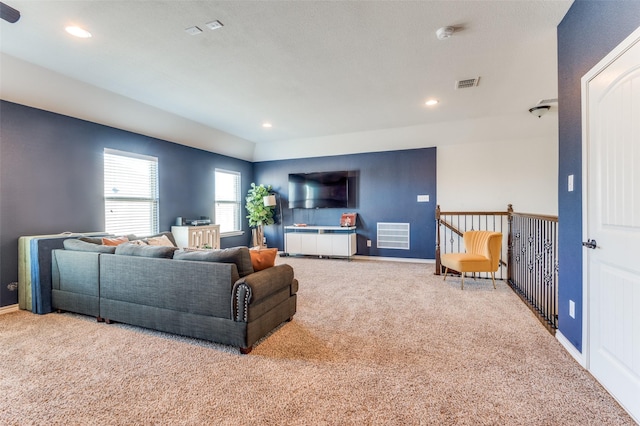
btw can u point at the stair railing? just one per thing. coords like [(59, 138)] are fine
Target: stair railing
[(528, 259), (451, 226)]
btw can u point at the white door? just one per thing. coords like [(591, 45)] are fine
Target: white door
[(611, 95)]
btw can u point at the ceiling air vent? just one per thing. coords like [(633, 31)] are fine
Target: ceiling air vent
[(468, 83)]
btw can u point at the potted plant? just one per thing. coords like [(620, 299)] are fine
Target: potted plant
[(258, 214)]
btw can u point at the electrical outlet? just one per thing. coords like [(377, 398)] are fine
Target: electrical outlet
[(572, 309), (368, 243), (570, 183)]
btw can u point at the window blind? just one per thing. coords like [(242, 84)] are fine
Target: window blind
[(130, 193), (228, 200)]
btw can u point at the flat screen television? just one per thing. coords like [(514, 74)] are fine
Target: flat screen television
[(319, 190)]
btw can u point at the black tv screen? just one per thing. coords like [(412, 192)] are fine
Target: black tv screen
[(319, 190)]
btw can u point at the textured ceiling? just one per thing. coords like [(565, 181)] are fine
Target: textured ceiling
[(312, 68)]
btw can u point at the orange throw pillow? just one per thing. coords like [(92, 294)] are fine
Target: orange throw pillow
[(114, 241), (263, 258)]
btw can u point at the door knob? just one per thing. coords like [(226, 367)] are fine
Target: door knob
[(589, 244)]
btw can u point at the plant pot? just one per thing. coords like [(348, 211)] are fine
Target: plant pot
[(257, 237)]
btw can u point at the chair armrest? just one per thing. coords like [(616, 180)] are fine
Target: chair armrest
[(257, 286)]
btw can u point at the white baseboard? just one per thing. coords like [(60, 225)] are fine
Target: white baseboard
[(10, 308), (395, 259), (388, 259), (571, 349)]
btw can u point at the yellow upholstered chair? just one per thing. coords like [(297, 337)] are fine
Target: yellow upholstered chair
[(482, 255)]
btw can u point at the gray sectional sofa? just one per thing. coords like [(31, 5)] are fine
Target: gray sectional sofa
[(212, 295)]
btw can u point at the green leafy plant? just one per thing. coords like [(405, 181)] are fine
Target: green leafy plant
[(258, 213)]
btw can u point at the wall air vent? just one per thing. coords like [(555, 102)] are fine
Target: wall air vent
[(468, 83), (393, 235)]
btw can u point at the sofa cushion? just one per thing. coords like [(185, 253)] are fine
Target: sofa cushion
[(238, 255), (263, 258), (80, 245), (128, 249)]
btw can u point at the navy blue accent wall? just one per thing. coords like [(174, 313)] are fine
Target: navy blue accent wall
[(588, 32), (387, 186), (51, 179)]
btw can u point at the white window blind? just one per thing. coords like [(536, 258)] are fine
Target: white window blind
[(228, 201), (130, 193)]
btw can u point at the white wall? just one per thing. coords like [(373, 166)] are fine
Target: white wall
[(489, 176)]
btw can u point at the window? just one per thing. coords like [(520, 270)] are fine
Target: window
[(228, 203), (130, 193)]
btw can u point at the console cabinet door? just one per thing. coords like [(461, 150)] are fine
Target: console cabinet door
[(340, 245), (325, 244), (292, 243), (308, 243)]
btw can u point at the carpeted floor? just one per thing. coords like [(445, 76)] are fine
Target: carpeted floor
[(372, 343)]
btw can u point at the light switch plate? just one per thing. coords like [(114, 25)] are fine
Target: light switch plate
[(572, 309), (570, 183), (423, 198)]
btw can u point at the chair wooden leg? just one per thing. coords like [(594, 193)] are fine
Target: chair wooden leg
[(445, 273), (462, 282), (493, 278)]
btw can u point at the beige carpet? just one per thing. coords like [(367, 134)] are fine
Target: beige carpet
[(372, 343)]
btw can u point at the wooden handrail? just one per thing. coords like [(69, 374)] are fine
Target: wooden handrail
[(503, 213), (537, 216), (450, 226)]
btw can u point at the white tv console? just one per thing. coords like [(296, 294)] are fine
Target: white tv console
[(338, 241)]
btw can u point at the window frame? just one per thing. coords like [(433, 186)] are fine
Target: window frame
[(237, 202), (153, 220)]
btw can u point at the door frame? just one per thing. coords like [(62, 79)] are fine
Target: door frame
[(620, 49)]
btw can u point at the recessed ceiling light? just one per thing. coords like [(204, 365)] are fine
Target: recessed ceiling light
[(193, 30), (77, 31), (267, 125), (432, 102), (214, 25)]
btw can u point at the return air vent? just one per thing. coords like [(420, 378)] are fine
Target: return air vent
[(468, 83), (393, 235)]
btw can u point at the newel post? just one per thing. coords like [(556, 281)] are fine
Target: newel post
[(438, 265), (510, 242)]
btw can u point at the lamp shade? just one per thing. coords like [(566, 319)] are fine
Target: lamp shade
[(269, 200)]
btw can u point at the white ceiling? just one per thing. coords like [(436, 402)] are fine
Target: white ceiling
[(312, 68)]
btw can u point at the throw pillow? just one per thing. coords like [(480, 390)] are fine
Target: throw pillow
[(93, 240), (238, 255), (129, 249), (79, 245), (114, 241), (168, 234), (263, 258), (163, 240)]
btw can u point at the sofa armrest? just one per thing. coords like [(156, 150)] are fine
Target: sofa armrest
[(75, 271), (257, 286)]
